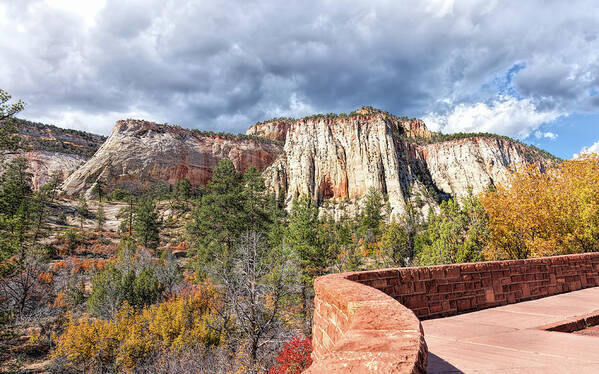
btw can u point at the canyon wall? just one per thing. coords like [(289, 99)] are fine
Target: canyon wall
[(44, 164), (338, 159), (333, 159), (139, 154), (52, 150)]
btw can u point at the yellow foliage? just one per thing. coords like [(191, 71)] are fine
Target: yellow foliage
[(130, 336), (543, 214), (184, 321)]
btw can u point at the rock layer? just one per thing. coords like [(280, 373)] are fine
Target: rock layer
[(139, 154), (44, 164), (52, 150), (333, 159)]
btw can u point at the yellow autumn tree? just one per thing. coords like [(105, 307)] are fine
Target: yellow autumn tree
[(130, 336), (545, 213)]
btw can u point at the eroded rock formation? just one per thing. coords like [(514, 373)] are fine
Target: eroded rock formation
[(336, 159), (52, 150), (139, 154)]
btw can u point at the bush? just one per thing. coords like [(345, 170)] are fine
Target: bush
[(134, 276), (118, 194), (132, 337), (116, 284), (61, 219), (294, 357)]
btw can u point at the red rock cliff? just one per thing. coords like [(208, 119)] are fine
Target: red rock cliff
[(138, 154)]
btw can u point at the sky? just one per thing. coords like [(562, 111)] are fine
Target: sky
[(526, 69)]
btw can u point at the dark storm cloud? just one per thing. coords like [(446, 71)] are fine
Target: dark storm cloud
[(224, 65)]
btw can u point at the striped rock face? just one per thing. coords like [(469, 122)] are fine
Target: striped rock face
[(139, 154), (336, 160)]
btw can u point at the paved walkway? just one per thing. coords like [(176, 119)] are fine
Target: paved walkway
[(507, 339)]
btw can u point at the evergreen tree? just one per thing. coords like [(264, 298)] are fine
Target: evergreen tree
[(126, 215), (145, 223), (9, 139), (51, 188), (396, 246), (132, 277), (371, 215), (183, 189), (370, 223), (100, 217), (302, 237), (82, 210), (98, 188), (256, 200), (16, 198), (343, 244), (221, 216), (15, 185), (311, 250)]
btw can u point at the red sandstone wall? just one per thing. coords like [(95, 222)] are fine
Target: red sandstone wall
[(357, 328), (439, 291)]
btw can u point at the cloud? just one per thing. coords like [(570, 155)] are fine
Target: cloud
[(506, 116), (586, 150), (223, 65), (547, 135)]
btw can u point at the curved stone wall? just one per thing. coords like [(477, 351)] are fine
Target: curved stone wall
[(368, 321), (439, 291), (359, 329)]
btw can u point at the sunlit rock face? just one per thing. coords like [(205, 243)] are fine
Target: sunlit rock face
[(336, 160), (139, 154)]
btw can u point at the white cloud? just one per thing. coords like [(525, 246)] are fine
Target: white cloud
[(506, 116), (101, 123), (586, 150), (547, 135), (87, 10)]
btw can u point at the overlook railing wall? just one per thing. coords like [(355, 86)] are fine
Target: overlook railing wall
[(366, 321)]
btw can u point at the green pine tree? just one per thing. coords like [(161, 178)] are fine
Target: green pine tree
[(222, 214), (82, 211), (307, 241), (100, 217), (16, 216), (9, 139), (126, 215), (458, 233), (146, 224)]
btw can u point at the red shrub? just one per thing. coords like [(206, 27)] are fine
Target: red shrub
[(294, 357)]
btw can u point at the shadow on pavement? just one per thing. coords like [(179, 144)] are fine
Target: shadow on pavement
[(437, 365)]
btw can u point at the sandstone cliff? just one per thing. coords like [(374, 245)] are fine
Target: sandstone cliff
[(43, 164), (139, 154), (337, 159), (50, 149), (274, 129)]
